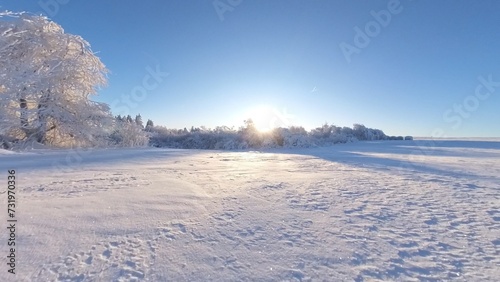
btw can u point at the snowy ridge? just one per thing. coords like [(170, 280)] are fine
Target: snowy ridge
[(364, 211)]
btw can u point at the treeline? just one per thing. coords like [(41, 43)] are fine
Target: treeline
[(126, 131), (248, 136)]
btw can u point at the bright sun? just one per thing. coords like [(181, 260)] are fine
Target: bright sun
[(263, 117)]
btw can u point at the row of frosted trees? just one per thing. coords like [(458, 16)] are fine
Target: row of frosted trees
[(248, 136)]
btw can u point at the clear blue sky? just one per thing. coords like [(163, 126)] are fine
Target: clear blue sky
[(417, 75)]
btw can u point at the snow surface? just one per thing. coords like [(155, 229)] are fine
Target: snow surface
[(367, 211)]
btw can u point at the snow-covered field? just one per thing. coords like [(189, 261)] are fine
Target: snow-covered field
[(367, 211)]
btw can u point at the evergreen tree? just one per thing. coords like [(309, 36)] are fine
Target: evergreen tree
[(138, 121), (129, 119), (149, 125)]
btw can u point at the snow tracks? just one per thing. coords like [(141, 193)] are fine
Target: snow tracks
[(346, 213)]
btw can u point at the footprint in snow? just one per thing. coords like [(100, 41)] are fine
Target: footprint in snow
[(127, 259)]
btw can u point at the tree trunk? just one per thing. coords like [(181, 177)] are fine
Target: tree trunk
[(42, 129), (24, 113)]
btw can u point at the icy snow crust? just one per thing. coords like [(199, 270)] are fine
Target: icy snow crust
[(367, 211)]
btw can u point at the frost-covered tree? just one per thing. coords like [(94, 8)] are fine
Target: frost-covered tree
[(138, 121), (322, 132), (129, 119), (126, 134), (360, 131), (251, 134), (149, 125), (46, 78)]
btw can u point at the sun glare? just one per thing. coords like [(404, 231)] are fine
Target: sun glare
[(263, 117)]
